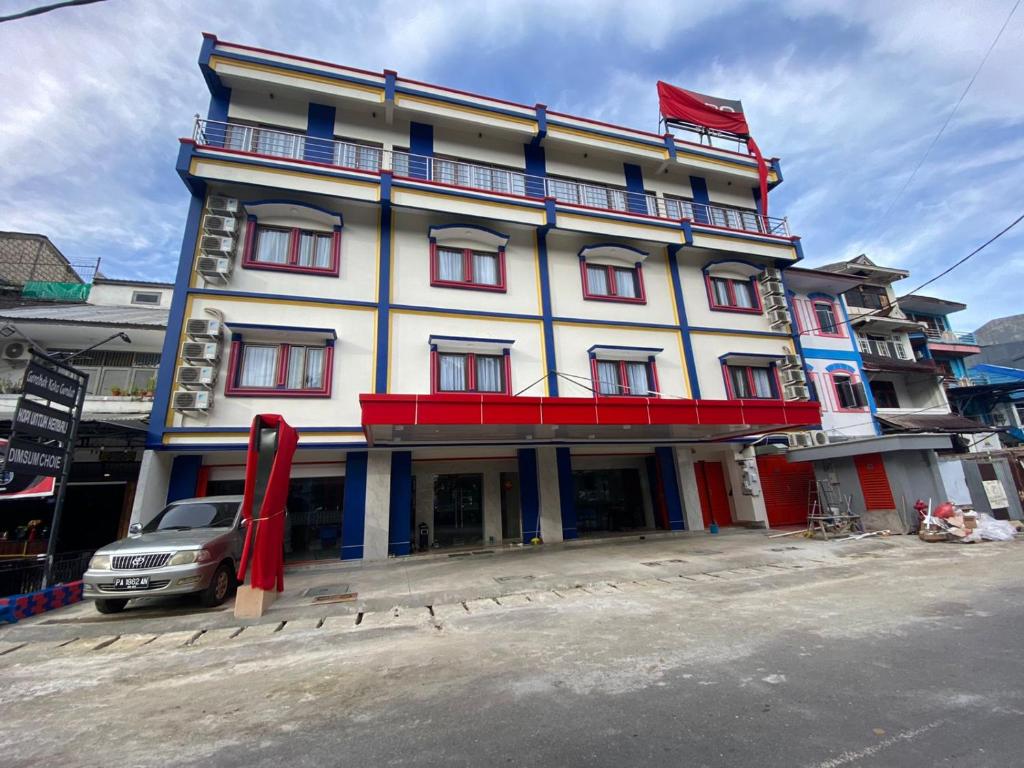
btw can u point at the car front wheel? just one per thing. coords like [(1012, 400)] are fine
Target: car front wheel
[(220, 586), (110, 606)]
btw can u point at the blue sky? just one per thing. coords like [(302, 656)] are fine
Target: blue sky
[(848, 94)]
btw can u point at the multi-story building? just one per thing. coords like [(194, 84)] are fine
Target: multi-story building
[(496, 320)]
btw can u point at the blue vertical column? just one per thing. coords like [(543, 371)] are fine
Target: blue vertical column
[(421, 146), (670, 487), (353, 513), (636, 195), (184, 477), (550, 362), (566, 493), (319, 145), (699, 187), (684, 326), (529, 493), (383, 300), (400, 518)]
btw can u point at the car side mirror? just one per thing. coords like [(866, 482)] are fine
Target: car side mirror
[(135, 529)]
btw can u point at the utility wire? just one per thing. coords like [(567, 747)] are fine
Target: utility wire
[(949, 118), (53, 7)]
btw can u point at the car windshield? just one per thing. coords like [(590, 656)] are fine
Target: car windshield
[(194, 514)]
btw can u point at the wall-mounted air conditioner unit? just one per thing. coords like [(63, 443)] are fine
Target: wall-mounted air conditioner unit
[(776, 303), (793, 376), (197, 375), (187, 400), (778, 317), (223, 206), (214, 244), (207, 352), (219, 225), (772, 288), (791, 361), (818, 437), (771, 274), (198, 328), (796, 392), (214, 268), (16, 350), (799, 440)]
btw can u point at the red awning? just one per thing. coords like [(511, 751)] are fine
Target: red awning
[(466, 418)]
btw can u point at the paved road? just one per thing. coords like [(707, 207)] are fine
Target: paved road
[(907, 657)]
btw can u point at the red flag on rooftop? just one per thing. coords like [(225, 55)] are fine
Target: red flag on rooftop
[(717, 114)]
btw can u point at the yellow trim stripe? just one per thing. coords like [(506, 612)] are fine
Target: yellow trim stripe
[(466, 316), (290, 171), (438, 103), (733, 242), (554, 130), (280, 70), (661, 230), (402, 191)]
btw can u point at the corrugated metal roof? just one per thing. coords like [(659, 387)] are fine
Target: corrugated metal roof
[(933, 422), (88, 314)]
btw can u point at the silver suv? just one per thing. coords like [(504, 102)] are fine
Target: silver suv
[(192, 545)]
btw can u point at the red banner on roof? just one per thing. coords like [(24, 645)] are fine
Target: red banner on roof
[(716, 114)]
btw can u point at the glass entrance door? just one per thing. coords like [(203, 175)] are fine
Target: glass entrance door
[(458, 510)]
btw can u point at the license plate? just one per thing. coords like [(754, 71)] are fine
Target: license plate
[(131, 582)]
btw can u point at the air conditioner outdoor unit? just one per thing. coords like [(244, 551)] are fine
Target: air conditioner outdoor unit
[(773, 302), (771, 274), (17, 350), (818, 437), (205, 351), (791, 361), (197, 328), (793, 376), (799, 440), (216, 244), (223, 206), (796, 392), (778, 317), (219, 225), (214, 267), (197, 375), (773, 287), (186, 400)]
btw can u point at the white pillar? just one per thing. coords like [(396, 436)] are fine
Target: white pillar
[(151, 492), (748, 509), (378, 505), (492, 507), (550, 500), (688, 489), (424, 506)]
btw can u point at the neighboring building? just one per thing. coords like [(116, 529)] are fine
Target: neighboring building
[(493, 319), (122, 378), (937, 339), (31, 267), (1001, 341)]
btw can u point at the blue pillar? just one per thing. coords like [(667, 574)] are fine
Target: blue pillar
[(700, 196), (684, 327), (636, 201), (319, 146), (550, 363), (400, 519), (184, 477), (566, 493), (670, 486), (383, 300), (536, 169), (529, 493), (353, 514), (421, 145)]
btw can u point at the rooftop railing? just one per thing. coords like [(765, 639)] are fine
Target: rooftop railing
[(488, 178), (951, 337)]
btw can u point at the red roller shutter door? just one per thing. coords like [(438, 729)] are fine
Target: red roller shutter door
[(874, 482), (714, 497), (785, 486)]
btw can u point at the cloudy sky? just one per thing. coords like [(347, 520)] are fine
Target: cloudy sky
[(848, 94)]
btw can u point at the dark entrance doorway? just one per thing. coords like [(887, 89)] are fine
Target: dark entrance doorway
[(608, 500), (511, 514), (458, 510)]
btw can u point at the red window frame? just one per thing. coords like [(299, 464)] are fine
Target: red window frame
[(435, 373), (249, 260), (623, 381), (233, 389), (774, 381), (840, 408), (467, 269), (757, 309), (638, 277), (818, 328)]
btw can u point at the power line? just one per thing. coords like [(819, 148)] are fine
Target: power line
[(53, 7), (949, 118)]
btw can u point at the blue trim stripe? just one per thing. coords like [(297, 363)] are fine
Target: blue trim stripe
[(353, 516), (383, 302), (684, 329), (816, 353), (566, 493), (550, 362), (529, 493), (400, 514)]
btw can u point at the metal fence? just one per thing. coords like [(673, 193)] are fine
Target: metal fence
[(25, 574)]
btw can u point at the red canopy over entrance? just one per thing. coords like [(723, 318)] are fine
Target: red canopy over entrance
[(398, 419)]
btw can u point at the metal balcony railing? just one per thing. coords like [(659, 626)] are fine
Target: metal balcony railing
[(893, 349), (950, 337), (343, 154)]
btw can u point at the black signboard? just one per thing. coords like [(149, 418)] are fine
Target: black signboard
[(25, 456), (48, 384), (32, 418)]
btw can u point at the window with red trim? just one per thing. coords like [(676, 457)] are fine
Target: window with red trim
[(292, 249), (751, 382), (849, 393), (733, 294), (827, 324), (470, 372), (625, 377), (266, 368), (467, 268), (612, 283)]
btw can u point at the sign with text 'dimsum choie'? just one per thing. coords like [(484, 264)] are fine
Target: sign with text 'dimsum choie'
[(26, 457)]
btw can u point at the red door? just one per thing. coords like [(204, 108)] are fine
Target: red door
[(714, 498), (786, 486), (874, 482)]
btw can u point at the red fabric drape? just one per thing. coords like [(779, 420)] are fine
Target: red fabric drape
[(717, 114), (264, 536)]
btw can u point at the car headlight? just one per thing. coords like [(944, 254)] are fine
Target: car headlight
[(99, 563), (189, 556)]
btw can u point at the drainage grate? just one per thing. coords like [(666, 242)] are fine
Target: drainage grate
[(339, 598), (705, 551), (332, 589), (502, 579), (656, 563)]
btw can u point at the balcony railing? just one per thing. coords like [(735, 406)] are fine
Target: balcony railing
[(893, 349), (361, 157), (951, 337)]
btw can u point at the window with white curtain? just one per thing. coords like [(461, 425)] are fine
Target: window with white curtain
[(315, 250), (751, 382), (272, 245), (286, 248), (733, 293), (468, 372), (450, 264), (469, 267), (625, 377), (608, 282), (259, 367)]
